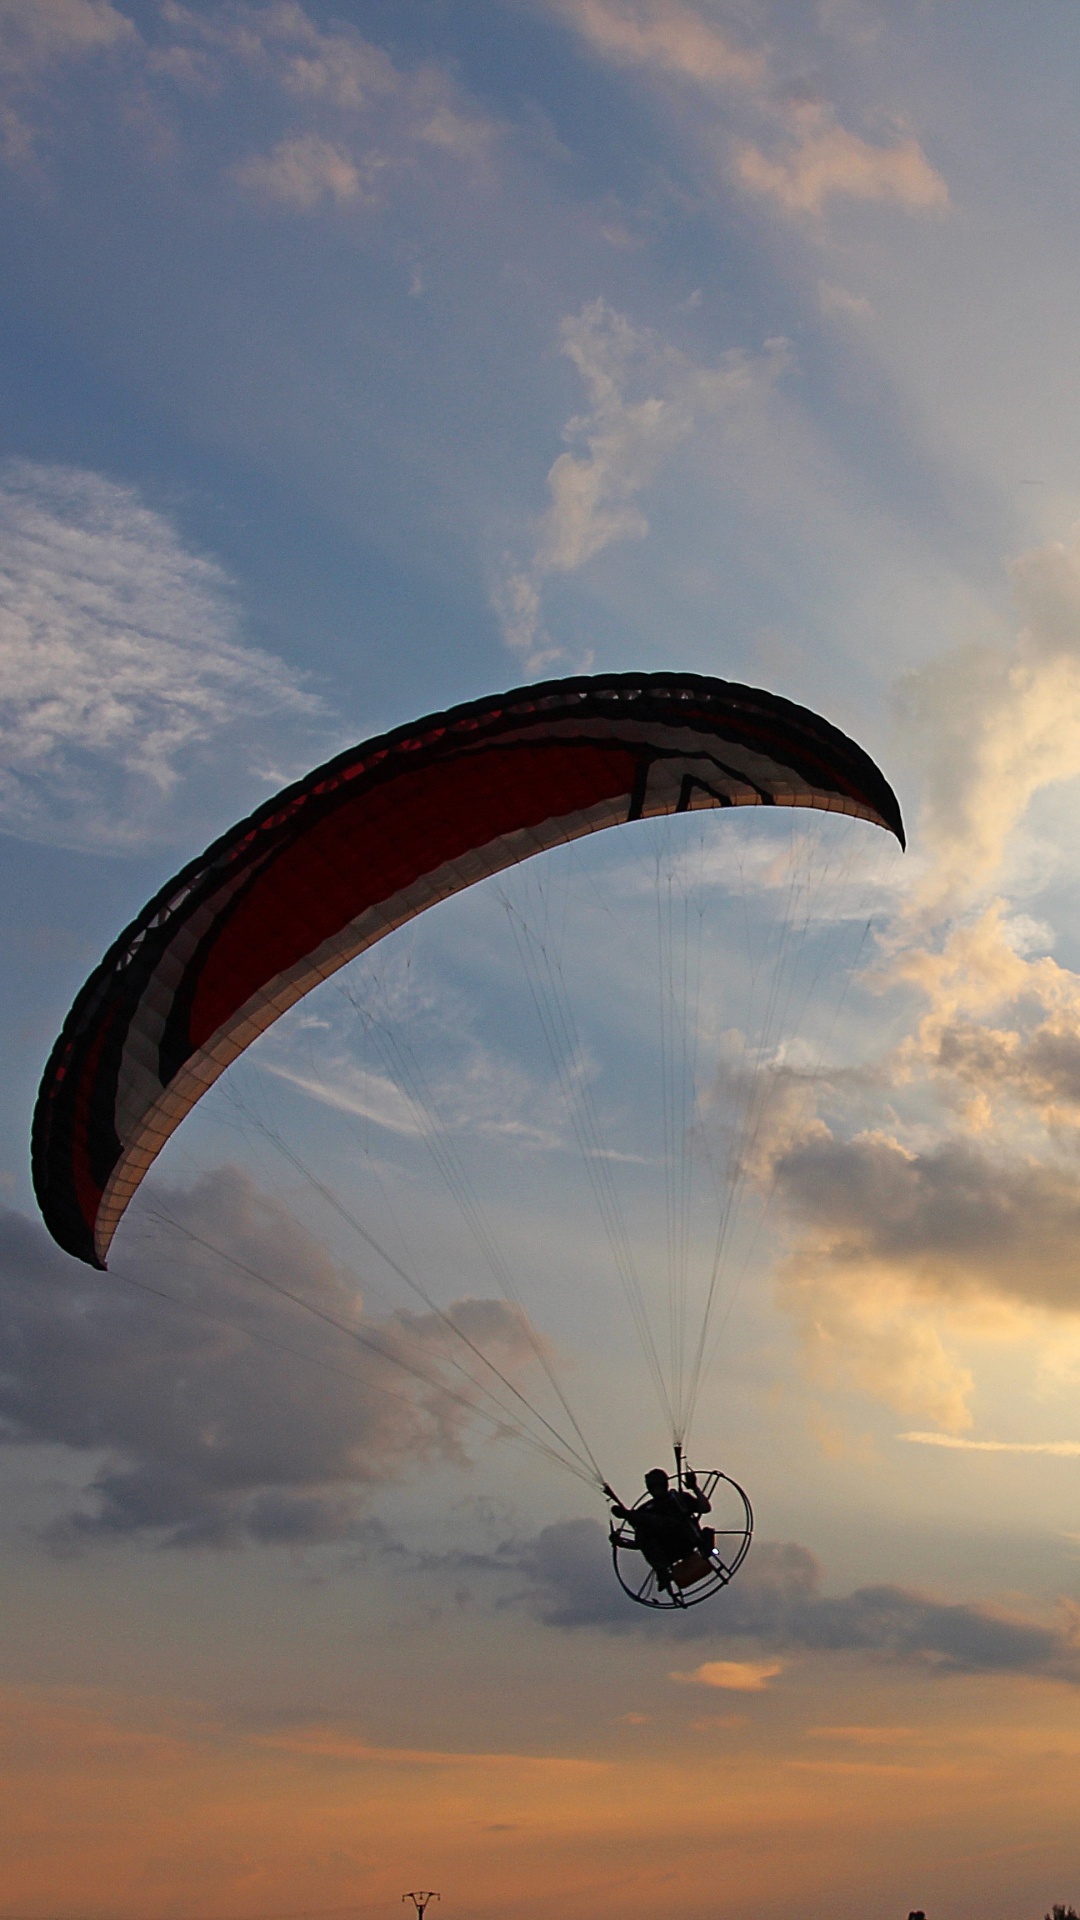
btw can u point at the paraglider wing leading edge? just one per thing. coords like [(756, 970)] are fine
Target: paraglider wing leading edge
[(360, 846)]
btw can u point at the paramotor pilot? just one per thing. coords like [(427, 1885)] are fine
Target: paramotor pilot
[(667, 1526)]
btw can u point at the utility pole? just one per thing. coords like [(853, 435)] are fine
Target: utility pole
[(421, 1901)]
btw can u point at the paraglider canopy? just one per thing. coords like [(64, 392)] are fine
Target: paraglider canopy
[(362, 845)]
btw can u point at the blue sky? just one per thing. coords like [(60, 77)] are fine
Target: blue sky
[(359, 359)]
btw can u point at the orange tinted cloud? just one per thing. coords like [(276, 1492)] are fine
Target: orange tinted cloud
[(732, 1676), (826, 161), (665, 36)]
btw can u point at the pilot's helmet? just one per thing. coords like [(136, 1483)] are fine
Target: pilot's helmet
[(656, 1480)]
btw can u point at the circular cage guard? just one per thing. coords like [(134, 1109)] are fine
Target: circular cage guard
[(732, 1521)]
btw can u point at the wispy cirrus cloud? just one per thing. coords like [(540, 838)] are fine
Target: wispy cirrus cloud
[(123, 665), (645, 399), (356, 1090), (483, 1097), (1061, 1449)]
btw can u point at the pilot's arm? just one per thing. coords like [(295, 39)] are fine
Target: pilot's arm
[(701, 1504)]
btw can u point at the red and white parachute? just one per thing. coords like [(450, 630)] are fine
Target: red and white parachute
[(367, 842)]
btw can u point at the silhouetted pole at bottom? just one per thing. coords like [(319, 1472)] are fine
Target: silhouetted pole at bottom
[(421, 1902)]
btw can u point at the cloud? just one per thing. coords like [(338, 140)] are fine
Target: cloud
[(890, 1235), (353, 118), (954, 1219), (33, 39), (815, 159), (971, 1205), (1001, 1033), (120, 662), (963, 1215), (245, 1418), (823, 161), (363, 118), (665, 37), (837, 300), (777, 1602), (301, 172), (1064, 1449), (993, 725), (355, 1090), (732, 1676), (412, 1054), (340, 68), (481, 1096), (972, 1219), (465, 136), (282, 44), (861, 1327), (645, 398)]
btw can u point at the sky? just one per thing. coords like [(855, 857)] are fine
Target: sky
[(359, 359)]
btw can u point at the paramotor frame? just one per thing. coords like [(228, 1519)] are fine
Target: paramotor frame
[(698, 1575)]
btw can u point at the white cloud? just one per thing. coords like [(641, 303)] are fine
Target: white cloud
[(473, 1092), (645, 398), (962, 1219), (121, 661), (355, 1090), (903, 1246), (995, 725), (1001, 1034)]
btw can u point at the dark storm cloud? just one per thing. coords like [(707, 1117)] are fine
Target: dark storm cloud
[(240, 1417), (954, 1219), (777, 1604)]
